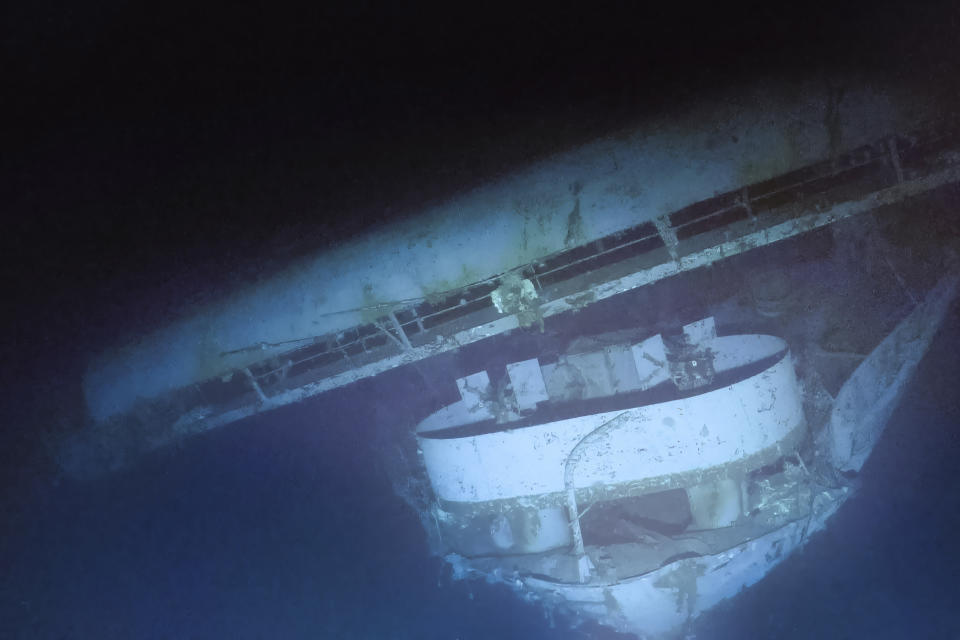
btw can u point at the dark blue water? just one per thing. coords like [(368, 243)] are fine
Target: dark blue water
[(286, 526), (281, 527), (888, 566)]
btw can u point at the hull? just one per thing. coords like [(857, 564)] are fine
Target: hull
[(662, 603), (700, 474), (588, 236), (564, 201)]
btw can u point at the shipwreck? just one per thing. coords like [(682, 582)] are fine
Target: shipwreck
[(640, 483), (698, 329)]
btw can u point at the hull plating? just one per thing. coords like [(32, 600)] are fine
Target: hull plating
[(594, 542)]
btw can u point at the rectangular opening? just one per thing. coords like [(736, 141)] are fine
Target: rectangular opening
[(637, 518)]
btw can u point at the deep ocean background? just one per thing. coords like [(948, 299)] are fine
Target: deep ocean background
[(286, 526), (155, 156)]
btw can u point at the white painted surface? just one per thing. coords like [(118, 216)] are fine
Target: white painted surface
[(658, 604), (650, 360), (617, 182), (700, 331), (623, 371), (92, 452), (527, 382), (591, 368), (474, 391), (868, 398), (711, 429), (748, 348)]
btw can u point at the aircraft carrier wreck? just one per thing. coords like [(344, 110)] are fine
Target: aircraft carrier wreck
[(683, 344)]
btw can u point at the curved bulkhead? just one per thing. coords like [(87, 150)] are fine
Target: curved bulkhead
[(688, 484), (502, 485)]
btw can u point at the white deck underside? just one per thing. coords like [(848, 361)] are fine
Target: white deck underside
[(656, 442)]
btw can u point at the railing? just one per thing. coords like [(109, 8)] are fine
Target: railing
[(406, 325)]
